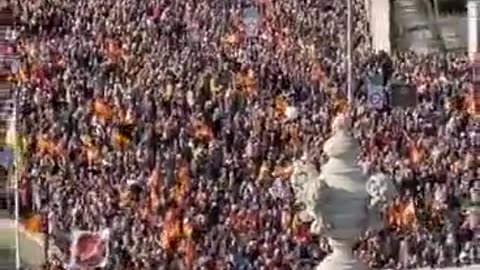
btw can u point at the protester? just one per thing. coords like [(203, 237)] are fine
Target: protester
[(173, 124)]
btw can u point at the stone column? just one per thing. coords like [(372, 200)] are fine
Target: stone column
[(473, 7), (342, 201)]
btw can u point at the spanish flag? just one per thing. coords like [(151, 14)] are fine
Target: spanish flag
[(187, 247), (102, 110), (246, 82), (119, 141), (409, 218), (171, 233), (402, 215), (33, 224), (153, 187), (181, 184), (393, 214), (282, 172), (46, 146), (230, 39), (415, 154), (340, 105), (126, 130)]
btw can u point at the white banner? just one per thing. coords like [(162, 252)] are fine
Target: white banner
[(89, 249), (376, 96)]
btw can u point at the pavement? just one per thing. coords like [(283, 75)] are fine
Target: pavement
[(30, 246)]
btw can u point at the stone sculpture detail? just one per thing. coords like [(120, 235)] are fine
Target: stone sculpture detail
[(340, 201)]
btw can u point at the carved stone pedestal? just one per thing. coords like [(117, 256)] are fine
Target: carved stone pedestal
[(340, 200)]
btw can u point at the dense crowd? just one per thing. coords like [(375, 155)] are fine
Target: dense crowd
[(174, 123)]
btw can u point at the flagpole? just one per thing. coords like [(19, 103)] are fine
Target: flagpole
[(17, 223), (349, 53), (17, 201)]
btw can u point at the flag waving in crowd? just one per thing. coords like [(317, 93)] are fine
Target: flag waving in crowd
[(175, 124), (89, 249)]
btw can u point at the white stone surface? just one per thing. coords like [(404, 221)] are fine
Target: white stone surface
[(379, 14), (30, 245), (337, 200), (473, 9)]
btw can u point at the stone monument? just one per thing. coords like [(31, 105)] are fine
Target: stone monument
[(340, 201)]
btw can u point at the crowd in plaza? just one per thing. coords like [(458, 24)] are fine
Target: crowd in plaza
[(175, 124)]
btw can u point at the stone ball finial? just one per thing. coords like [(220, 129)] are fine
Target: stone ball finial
[(342, 122), (342, 145)]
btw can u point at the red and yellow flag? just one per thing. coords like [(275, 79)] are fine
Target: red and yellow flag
[(280, 106), (171, 232), (181, 184), (340, 105), (415, 154), (153, 184), (402, 215), (187, 247), (102, 110), (33, 224), (409, 218), (47, 146)]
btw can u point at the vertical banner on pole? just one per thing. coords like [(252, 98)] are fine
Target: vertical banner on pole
[(376, 95)]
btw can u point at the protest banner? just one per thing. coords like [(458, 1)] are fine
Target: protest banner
[(89, 249), (376, 95)]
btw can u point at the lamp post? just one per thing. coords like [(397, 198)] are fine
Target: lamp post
[(349, 53)]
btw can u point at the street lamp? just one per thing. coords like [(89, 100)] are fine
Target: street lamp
[(349, 53)]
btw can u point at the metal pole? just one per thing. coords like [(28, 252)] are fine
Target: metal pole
[(349, 53), (47, 224), (16, 190)]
